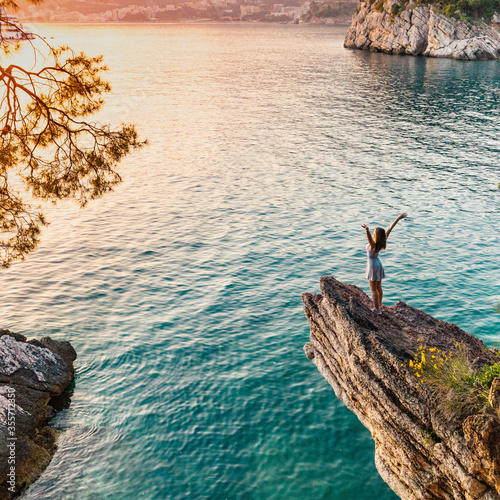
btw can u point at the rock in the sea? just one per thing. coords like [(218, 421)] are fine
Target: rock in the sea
[(420, 452), (31, 374), (418, 30)]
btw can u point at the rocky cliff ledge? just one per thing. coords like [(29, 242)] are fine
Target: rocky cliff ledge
[(387, 26), (31, 374), (419, 451)]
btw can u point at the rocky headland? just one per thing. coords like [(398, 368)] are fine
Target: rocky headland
[(421, 451), (32, 372), (419, 29)]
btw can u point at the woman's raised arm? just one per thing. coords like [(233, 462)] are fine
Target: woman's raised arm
[(369, 236), (391, 227)]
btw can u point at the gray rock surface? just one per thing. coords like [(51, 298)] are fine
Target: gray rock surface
[(419, 30), (31, 373), (420, 452)]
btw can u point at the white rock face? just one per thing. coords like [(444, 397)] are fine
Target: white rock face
[(420, 31), (34, 365), (15, 355)]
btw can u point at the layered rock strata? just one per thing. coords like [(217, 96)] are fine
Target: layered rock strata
[(420, 451), (31, 374), (418, 30)]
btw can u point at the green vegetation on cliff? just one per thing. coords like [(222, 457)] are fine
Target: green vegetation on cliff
[(459, 9), (478, 9)]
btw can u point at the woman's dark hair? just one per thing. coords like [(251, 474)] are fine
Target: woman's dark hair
[(380, 239)]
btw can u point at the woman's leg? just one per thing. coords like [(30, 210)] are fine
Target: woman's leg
[(380, 293), (374, 290)]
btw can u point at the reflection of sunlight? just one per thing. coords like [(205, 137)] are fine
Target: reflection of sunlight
[(28, 55), (23, 60)]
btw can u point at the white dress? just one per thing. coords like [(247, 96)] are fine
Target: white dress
[(374, 267)]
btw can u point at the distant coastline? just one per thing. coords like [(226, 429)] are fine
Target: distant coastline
[(337, 22), (220, 11)]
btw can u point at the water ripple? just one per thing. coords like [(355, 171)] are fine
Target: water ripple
[(269, 147)]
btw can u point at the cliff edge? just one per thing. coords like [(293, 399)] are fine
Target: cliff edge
[(417, 29), (31, 374), (420, 451)]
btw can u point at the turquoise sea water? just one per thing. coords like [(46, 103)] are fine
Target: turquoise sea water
[(269, 147)]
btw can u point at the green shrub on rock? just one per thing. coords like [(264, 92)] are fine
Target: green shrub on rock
[(472, 9), (460, 390), (483, 10), (488, 374)]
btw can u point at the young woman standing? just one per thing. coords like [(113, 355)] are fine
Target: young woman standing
[(374, 268)]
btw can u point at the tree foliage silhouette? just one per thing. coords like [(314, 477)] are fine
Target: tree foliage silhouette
[(48, 145)]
